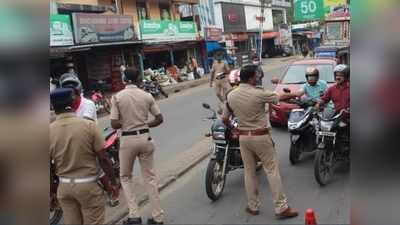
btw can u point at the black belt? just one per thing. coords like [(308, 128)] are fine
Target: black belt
[(220, 77), (135, 132)]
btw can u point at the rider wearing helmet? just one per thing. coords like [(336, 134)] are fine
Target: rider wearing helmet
[(314, 88), (82, 106), (340, 92)]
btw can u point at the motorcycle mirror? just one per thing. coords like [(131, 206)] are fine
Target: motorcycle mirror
[(206, 106), (275, 80)]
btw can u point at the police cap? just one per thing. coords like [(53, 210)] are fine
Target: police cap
[(61, 97)]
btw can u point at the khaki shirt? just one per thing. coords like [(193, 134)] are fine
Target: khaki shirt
[(131, 107), (219, 68), (249, 104), (73, 145)]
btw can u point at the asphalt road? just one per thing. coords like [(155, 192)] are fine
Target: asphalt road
[(186, 202)]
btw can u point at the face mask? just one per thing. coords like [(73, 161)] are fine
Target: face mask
[(312, 78)]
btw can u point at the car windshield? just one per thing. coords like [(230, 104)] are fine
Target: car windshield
[(296, 73)]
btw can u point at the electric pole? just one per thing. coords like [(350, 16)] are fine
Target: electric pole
[(262, 18)]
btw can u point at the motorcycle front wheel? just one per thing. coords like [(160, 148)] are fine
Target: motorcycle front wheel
[(215, 180), (295, 153), (323, 166)]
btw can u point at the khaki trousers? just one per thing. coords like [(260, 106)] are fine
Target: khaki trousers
[(221, 87), (263, 148), (141, 147), (82, 203)]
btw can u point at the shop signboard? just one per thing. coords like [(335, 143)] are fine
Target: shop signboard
[(233, 17), (308, 10), (60, 30), (98, 28), (285, 35), (166, 30), (330, 5), (213, 34)]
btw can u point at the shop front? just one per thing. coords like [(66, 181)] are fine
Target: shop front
[(168, 47), (103, 44)]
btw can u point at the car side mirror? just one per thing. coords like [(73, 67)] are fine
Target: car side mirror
[(275, 80), (206, 106)]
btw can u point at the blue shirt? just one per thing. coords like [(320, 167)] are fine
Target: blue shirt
[(314, 92)]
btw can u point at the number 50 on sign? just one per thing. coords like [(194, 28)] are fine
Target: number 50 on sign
[(305, 10)]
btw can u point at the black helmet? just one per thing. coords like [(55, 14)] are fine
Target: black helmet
[(312, 71), (342, 68), (70, 80)]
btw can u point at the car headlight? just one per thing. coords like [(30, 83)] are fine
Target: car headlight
[(326, 125), (219, 136)]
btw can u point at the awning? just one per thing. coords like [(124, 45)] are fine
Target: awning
[(269, 35), (212, 46)]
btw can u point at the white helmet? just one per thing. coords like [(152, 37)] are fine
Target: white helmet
[(342, 68)]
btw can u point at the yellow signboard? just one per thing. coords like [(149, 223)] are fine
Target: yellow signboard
[(329, 5), (334, 2)]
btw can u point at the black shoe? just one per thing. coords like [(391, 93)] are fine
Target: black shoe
[(152, 221), (131, 221)]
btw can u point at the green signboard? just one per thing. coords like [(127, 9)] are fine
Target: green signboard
[(166, 30), (60, 30), (306, 10)]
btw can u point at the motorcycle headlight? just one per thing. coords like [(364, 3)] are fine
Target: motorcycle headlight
[(293, 126), (219, 136), (326, 125)]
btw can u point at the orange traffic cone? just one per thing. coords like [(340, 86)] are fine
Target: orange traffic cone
[(310, 217)]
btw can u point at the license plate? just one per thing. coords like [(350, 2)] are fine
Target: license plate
[(325, 133), (220, 141)]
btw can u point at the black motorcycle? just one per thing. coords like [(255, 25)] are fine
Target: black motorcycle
[(225, 155), (333, 140), (301, 125), (154, 88)]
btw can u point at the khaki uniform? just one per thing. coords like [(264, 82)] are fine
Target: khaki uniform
[(73, 145), (221, 86), (248, 104), (131, 107)]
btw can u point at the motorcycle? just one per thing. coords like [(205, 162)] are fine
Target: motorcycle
[(154, 88), (301, 125), (225, 154), (99, 99), (333, 141), (111, 147)]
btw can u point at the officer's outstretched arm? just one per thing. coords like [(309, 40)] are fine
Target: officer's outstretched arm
[(158, 119)]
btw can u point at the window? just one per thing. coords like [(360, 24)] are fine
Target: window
[(142, 10), (165, 12), (295, 74)]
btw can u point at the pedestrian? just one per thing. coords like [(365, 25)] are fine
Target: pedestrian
[(83, 107), (248, 103), (130, 109), (219, 79), (305, 51), (76, 148), (194, 66)]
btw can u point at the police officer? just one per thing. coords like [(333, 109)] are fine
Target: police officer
[(219, 78), (248, 103), (130, 109), (76, 148)]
